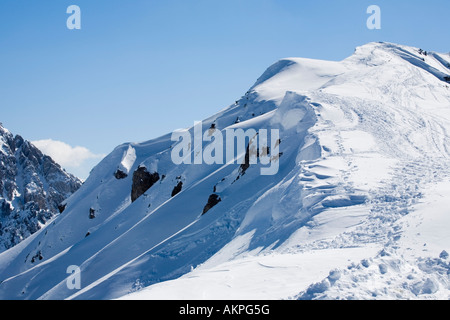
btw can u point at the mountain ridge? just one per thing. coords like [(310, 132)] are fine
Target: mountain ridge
[(360, 139)]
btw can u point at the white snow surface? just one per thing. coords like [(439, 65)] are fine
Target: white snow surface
[(129, 157), (357, 210)]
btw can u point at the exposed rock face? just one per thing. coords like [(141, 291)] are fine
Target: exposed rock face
[(91, 213), (142, 181), (177, 189), (246, 164), (119, 174), (32, 188), (212, 201), (62, 207)]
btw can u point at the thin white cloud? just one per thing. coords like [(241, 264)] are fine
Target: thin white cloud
[(77, 160)]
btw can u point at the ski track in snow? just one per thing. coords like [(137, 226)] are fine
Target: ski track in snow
[(388, 275)]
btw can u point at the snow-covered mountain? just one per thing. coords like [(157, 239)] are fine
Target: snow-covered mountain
[(358, 207), (32, 188)]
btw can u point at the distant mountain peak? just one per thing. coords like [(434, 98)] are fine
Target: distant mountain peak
[(32, 187)]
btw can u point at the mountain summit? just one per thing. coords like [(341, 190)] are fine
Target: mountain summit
[(32, 189), (357, 207)]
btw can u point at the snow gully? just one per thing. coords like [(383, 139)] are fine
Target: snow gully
[(258, 148)]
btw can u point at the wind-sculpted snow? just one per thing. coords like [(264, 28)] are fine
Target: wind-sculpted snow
[(361, 142)]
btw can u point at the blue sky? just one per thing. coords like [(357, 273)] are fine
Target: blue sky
[(140, 68)]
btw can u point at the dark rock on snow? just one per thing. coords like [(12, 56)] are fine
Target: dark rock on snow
[(142, 181), (177, 189), (119, 174), (213, 200)]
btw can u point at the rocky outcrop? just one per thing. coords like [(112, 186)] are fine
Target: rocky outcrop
[(213, 200), (142, 181), (62, 207), (177, 189), (246, 164), (91, 213), (119, 174)]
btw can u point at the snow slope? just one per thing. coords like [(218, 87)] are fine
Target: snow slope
[(364, 154)]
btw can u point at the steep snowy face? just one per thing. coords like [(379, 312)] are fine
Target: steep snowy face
[(32, 189), (356, 142)]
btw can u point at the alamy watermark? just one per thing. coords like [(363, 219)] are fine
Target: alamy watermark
[(74, 20), (73, 281), (374, 21), (233, 146)]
